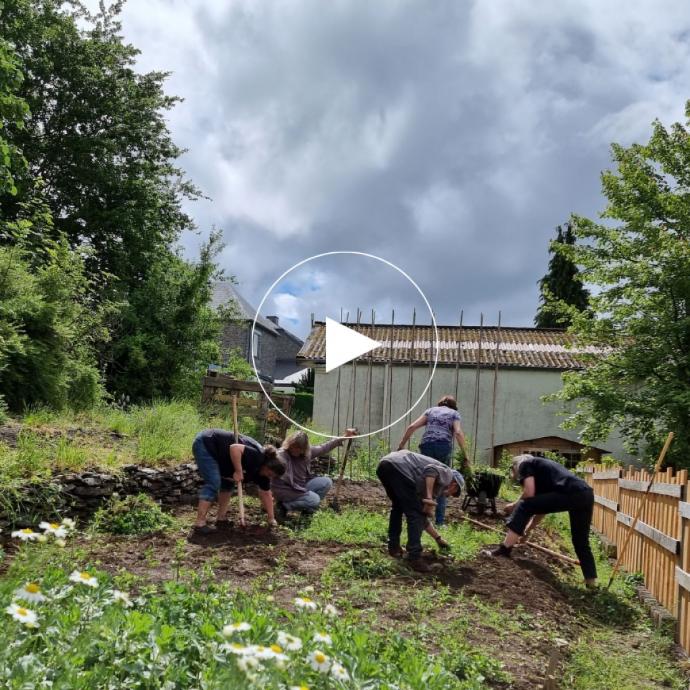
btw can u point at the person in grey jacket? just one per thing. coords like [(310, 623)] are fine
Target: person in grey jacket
[(413, 483), (300, 489)]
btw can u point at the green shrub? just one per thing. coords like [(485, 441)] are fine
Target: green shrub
[(131, 515)]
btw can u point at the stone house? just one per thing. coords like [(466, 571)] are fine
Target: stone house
[(273, 346)]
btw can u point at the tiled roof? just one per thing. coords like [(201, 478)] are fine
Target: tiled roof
[(531, 348)]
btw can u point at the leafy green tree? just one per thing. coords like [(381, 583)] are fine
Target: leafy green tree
[(97, 136), (639, 261), (561, 284)]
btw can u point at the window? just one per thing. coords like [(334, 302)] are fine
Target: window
[(256, 345)]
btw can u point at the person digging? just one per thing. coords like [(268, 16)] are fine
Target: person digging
[(548, 487), (413, 483), (220, 461)]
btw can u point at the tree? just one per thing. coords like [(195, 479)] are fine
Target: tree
[(562, 284), (639, 261), (97, 137)]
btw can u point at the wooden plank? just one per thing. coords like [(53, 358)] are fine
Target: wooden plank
[(226, 383), (587, 470), (606, 502), (607, 474), (666, 542), (674, 490), (683, 579), (684, 509)]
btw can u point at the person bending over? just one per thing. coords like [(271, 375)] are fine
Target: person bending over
[(548, 487), (441, 423), (413, 483), (300, 489), (220, 461)]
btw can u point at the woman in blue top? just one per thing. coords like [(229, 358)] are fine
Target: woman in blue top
[(441, 423)]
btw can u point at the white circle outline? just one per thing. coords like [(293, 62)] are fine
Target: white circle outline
[(437, 344)]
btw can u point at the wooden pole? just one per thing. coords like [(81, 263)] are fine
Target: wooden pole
[(240, 494), (390, 379), (633, 524), (476, 390), (497, 356), (543, 549)]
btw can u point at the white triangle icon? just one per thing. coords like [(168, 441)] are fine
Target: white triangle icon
[(343, 344)]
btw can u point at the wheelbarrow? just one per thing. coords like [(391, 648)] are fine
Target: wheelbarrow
[(481, 490)]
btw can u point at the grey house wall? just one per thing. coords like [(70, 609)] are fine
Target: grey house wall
[(237, 335), (520, 412)]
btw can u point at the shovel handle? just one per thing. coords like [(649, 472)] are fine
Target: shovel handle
[(240, 493)]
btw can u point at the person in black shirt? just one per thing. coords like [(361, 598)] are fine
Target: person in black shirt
[(220, 460), (548, 487)]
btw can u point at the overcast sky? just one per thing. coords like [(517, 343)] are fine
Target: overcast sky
[(448, 137)]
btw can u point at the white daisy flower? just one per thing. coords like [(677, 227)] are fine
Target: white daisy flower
[(58, 530), (322, 637), (26, 534), (299, 687), (230, 630), (305, 603), (30, 592), (25, 616), (319, 661), (339, 672), (237, 648), (331, 610), (289, 642), (278, 654), (122, 597), (84, 578)]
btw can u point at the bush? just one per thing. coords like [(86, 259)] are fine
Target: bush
[(131, 515)]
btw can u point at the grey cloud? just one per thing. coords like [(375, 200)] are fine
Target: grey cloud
[(447, 137)]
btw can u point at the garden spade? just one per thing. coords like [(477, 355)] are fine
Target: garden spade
[(240, 493), (335, 504)]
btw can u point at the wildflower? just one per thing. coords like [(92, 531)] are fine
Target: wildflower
[(323, 637), (270, 597), (331, 610), (41, 538), (30, 592), (61, 543), (68, 524), (299, 687), (237, 648), (122, 597), (289, 642), (230, 630), (26, 534), (58, 530), (84, 578), (309, 588), (339, 672), (319, 661), (25, 616), (305, 603)]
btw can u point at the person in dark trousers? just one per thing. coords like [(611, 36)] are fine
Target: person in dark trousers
[(220, 461), (441, 424), (548, 487), (413, 483)]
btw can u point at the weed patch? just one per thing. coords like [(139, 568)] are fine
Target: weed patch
[(131, 515)]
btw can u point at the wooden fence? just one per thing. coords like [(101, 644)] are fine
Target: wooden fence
[(659, 548)]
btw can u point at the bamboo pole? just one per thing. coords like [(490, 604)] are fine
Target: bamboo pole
[(390, 378), (476, 390), (497, 356), (538, 547), (240, 494), (640, 508)]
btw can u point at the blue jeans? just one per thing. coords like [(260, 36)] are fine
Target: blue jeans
[(438, 450), (317, 488), (209, 471)]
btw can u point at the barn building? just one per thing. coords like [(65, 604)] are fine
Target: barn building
[(499, 375)]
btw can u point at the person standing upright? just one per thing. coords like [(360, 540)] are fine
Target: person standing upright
[(441, 424)]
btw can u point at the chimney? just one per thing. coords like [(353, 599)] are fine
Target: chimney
[(274, 319)]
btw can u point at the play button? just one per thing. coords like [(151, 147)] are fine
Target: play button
[(343, 345)]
